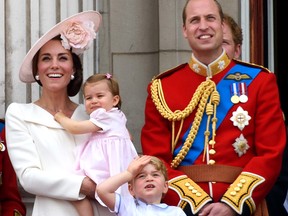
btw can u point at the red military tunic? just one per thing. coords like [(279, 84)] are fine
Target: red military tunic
[(254, 146), (10, 200)]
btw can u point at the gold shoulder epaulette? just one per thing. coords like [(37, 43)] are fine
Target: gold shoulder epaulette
[(168, 72), (252, 65)]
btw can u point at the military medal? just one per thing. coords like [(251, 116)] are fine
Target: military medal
[(235, 99), (234, 92), (243, 98)]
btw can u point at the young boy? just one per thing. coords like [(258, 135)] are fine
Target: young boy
[(148, 182)]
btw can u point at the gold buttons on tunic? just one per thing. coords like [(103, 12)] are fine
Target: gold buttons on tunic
[(238, 188), (192, 189), (2, 146), (211, 162), (212, 151)]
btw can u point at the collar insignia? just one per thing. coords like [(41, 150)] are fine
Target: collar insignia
[(213, 68)]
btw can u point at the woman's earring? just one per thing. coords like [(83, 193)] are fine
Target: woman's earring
[(36, 77), (72, 77)]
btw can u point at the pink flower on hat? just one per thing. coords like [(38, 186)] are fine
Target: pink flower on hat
[(79, 36)]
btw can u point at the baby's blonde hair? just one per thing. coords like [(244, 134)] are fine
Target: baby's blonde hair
[(111, 82)]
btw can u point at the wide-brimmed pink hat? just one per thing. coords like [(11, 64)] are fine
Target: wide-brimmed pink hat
[(77, 33)]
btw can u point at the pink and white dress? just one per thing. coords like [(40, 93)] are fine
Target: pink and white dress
[(108, 151)]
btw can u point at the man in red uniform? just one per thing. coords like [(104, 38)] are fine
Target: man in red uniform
[(10, 200), (232, 42), (216, 122)]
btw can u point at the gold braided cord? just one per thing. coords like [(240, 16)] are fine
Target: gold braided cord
[(159, 100), (194, 129), (200, 98), (210, 110), (174, 141)]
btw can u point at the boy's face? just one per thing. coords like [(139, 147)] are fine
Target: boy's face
[(149, 185)]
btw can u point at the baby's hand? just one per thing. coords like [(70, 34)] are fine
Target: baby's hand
[(59, 115)]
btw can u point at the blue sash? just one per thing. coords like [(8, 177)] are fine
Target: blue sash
[(225, 105), (1, 126)]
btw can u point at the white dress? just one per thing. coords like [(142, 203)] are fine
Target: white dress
[(108, 151)]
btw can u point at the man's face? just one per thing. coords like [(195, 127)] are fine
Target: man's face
[(203, 27), (233, 50)]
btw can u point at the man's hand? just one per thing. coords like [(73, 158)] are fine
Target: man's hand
[(217, 209)]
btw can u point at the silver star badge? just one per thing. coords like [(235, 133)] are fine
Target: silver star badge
[(240, 118), (241, 145)]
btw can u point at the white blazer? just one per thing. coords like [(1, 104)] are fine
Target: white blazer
[(42, 154)]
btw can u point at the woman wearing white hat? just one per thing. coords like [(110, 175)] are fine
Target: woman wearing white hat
[(41, 151)]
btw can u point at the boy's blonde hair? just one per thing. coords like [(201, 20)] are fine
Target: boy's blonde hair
[(160, 166)]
